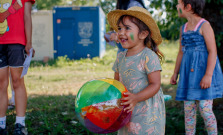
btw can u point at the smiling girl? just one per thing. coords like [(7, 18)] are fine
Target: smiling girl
[(138, 68)]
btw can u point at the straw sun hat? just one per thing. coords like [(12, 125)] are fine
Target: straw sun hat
[(140, 13)]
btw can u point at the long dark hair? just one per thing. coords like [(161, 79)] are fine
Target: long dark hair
[(149, 42), (123, 4)]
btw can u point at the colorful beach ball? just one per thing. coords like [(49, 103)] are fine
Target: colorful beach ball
[(97, 106)]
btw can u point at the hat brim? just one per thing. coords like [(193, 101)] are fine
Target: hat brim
[(137, 12)]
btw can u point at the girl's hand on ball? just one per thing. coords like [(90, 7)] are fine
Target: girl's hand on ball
[(129, 100)]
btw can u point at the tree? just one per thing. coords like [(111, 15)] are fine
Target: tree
[(49, 4), (107, 5), (170, 25)]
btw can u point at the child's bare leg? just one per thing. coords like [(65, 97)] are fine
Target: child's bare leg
[(3, 95), (190, 110), (20, 91), (3, 91), (205, 107)]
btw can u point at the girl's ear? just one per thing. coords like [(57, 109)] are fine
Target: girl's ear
[(188, 7), (143, 34)]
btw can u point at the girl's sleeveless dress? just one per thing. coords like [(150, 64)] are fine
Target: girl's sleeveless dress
[(193, 68), (148, 117)]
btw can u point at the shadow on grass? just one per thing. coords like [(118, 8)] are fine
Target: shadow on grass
[(51, 115), (54, 115)]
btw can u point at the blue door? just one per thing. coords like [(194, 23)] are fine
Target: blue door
[(65, 37)]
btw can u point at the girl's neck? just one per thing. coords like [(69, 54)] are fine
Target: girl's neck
[(134, 51), (193, 19)]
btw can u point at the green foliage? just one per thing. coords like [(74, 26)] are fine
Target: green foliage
[(107, 5), (47, 4), (63, 61), (170, 25), (84, 2)]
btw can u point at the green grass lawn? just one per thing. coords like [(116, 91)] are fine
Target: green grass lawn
[(52, 88)]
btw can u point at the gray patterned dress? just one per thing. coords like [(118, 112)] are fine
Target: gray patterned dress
[(148, 117)]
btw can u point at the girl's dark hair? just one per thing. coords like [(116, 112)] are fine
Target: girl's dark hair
[(196, 5), (149, 42), (123, 4)]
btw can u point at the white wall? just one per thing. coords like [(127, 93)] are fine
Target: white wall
[(42, 34)]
